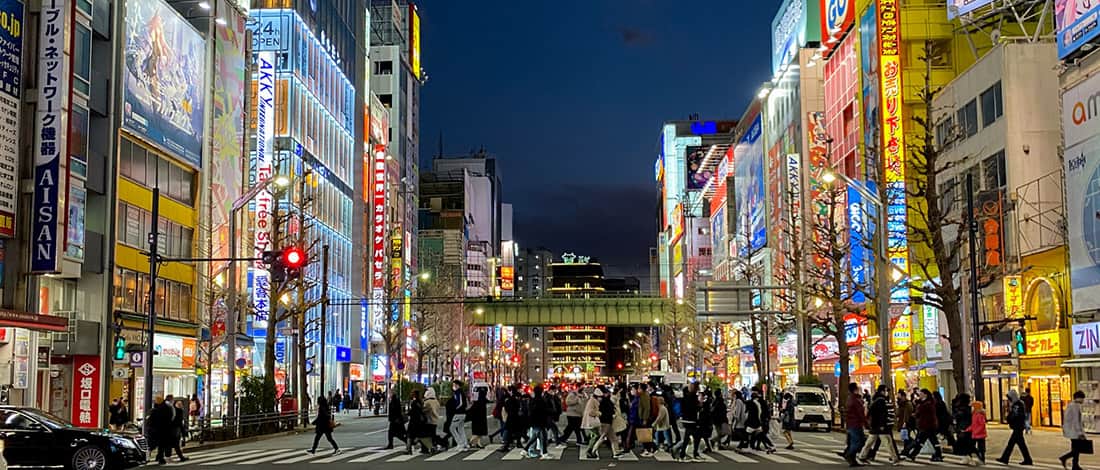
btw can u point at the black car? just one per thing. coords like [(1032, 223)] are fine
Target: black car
[(36, 439)]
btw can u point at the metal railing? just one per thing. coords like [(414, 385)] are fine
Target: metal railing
[(235, 427)]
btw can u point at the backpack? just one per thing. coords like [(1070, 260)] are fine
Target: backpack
[(1016, 415), (654, 409)]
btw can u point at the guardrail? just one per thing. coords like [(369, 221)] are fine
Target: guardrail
[(235, 427)]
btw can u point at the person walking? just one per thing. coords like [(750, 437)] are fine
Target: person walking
[(574, 414), (498, 414), (179, 429), (737, 417), (456, 409), (118, 415), (433, 415), (418, 426), (513, 422), (1029, 405), (944, 419), (590, 420), (961, 415), (396, 418), (719, 415), (689, 416), (323, 426), (978, 433), (554, 409), (1073, 429), (1017, 421), (905, 424), (881, 426), (787, 418), (704, 426), (538, 416), (160, 428), (479, 422), (855, 420), (752, 423), (927, 427), (662, 430)]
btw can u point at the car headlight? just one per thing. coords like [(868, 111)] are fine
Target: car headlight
[(124, 442)]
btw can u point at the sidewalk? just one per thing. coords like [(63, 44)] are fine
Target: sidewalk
[(194, 445), (1044, 443)]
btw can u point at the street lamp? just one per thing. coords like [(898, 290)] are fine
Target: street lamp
[(882, 296)]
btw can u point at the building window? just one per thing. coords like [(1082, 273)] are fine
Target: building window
[(82, 58), (947, 192), (151, 170), (992, 104), (993, 171), (945, 130), (967, 117), (383, 67)]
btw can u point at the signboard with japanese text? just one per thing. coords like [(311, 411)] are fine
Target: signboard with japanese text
[(86, 382), (264, 204), (51, 138), (933, 347), (11, 92), (893, 141), (1014, 297), (1044, 343), (902, 333), (414, 40), (1086, 339), (1076, 23), (163, 84), (788, 33), (962, 7)]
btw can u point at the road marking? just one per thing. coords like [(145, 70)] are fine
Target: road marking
[(481, 454), (403, 458), (708, 459), (776, 458), (375, 456), (729, 454), (816, 456), (375, 432), (348, 453), (629, 456), (268, 458), (300, 458), (208, 457), (443, 455), (555, 452), (515, 454), (231, 459)]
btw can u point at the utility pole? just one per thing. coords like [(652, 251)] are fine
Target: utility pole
[(151, 325), (324, 311), (975, 340)]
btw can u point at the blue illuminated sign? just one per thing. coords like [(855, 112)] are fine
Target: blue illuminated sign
[(1076, 25), (788, 33), (704, 128), (364, 328), (343, 354), (270, 30)]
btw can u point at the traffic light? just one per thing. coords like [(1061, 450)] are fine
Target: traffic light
[(653, 357), (618, 365), (120, 348), (1019, 340), (285, 264)]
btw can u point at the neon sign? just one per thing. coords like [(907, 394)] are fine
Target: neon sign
[(893, 141)]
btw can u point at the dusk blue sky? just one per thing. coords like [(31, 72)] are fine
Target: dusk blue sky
[(569, 97)]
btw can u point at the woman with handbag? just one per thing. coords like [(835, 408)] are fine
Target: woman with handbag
[(323, 426), (479, 422), (1074, 430)]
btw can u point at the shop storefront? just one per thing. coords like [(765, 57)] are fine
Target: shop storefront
[(1086, 361), (1048, 346), (999, 372), (29, 381), (173, 369)]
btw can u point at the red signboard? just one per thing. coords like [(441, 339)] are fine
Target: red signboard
[(378, 219), (85, 404)]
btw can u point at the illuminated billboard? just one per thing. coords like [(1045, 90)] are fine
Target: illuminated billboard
[(893, 140), (51, 140), (788, 33), (1077, 22), (265, 170), (414, 40), (11, 70), (697, 177), (163, 81), (748, 186), (227, 133), (837, 17)]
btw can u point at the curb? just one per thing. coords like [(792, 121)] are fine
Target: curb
[(209, 445)]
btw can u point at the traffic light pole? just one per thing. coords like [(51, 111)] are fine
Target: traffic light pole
[(151, 325), (975, 338), (324, 313)]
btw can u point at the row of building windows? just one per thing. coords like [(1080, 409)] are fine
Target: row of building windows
[(135, 224), (986, 175), (966, 122), (131, 294), (320, 133), (149, 169)]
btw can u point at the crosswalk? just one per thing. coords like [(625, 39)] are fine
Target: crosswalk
[(817, 454)]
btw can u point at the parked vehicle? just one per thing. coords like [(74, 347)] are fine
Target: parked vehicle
[(812, 408), (36, 439)]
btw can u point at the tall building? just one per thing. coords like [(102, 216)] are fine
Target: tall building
[(533, 272)]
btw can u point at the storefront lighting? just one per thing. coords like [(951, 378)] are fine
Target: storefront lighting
[(220, 21), (282, 181), (204, 5)]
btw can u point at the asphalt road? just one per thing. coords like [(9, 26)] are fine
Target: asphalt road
[(362, 439)]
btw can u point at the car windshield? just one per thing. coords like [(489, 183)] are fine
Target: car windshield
[(51, 421), (809, 399)]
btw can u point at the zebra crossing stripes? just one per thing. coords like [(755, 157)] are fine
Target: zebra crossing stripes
[(214, 456), (776, 458), (238, 458), (735, 456), (514, 454), (347, 453), (443, 455), (272, 456), (481, 454), (375, 456)]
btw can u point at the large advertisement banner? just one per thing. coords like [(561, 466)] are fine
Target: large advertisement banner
[(86, 384), (696, 177), (868, 45), (378, 267), (227, 129), (1077, 22), (265, 200), (11, 69), (1082, 168), (163, 81), (962, 7), (893, 141), (749, 189), (50, 134)]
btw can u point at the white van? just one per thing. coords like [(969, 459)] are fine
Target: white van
[(812, 408)]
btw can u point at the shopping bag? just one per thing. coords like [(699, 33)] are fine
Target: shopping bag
[(644, 435), (1083, 446)]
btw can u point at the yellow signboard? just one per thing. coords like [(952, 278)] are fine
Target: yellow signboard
[(1045, 343), (1014, 297), (414, 40)]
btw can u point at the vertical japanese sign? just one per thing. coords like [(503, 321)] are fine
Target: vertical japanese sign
[(85, 402), (50, 134), (414, 40), (265, 201), (1014, 297), (893, 141), (378, 237), (11, 69), (227, 132)]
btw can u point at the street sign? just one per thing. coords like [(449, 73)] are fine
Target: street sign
[(137, 359), (120, 372), (240, 363)]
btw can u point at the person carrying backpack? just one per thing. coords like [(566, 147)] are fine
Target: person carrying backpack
[(1017, 421)]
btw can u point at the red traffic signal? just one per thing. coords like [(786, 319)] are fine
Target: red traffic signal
[(653, 357), (618, 365), (293, 257)]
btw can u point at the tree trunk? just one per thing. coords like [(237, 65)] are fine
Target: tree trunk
[(845, 378), (303, 378), (269, 364)]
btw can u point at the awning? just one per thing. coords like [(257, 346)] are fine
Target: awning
[(1082, 362), (870, 369), (32, 321)]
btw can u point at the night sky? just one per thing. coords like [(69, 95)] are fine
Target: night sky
[(569, 96)]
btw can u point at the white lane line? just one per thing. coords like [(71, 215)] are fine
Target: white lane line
[(403, 457), (662, 456), (230, 459), (555, 452), (348, 453), (481, 454), (375, 456), (629, 456), (267, 458), (209, 457), (776, 458), (515, 454), (443, 455), (815, 456), (735, 456), (301, 458)]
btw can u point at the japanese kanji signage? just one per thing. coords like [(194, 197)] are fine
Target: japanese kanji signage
[(11, 68), (265, 201), (378, 236), (893, 141), (51, 128), (1014, 297), (85, 402)]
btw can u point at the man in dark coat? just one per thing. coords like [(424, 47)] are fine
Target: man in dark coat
[(160, 428), (396, 418)]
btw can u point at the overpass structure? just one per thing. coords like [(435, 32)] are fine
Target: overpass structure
[(602, 310)]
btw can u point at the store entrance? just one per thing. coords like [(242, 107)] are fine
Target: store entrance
[(1049, 393), (996, 386)]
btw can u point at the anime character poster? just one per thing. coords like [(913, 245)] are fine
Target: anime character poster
[(227, 131), (749, 177), (697, 177), (163, 79)]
